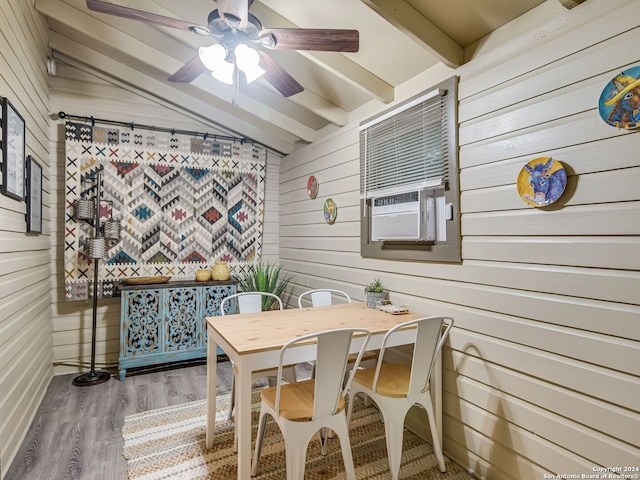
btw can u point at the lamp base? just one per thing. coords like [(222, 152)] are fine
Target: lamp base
[(91, 378)]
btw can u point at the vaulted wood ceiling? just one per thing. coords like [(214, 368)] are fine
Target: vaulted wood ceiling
[(398, 40)]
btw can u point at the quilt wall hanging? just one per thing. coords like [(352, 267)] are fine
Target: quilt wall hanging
[(183, 203)]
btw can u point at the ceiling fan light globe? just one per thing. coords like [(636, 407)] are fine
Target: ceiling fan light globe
[(245, 55), (248, 61), (223, 75), (212, 56), (214, 59)]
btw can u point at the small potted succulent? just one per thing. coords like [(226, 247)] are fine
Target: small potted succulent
[(375, 293)]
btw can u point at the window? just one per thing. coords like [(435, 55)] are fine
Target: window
[(409, 179)]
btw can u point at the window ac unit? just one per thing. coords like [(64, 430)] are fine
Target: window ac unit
[(404, 216)]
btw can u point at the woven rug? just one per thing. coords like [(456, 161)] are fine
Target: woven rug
[(169, 443)]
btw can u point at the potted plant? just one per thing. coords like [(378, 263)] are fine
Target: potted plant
[(264, 277), (375, 293)]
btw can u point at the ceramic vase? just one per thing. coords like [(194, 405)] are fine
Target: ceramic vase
[(220, 271)]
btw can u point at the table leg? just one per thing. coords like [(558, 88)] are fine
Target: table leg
[(243, 418), (212, 365)]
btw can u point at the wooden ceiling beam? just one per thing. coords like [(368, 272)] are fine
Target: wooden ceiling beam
[(352, 73), (338, 64), (409, 21)]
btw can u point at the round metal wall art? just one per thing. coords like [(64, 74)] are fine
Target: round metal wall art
[(619, 103), (330, 211), (312, 187)]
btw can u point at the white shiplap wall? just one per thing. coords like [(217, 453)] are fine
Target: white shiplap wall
[(25, 272), (86, 93), (542, 372)]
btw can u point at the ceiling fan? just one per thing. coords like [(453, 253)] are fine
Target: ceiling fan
[(231, 26)]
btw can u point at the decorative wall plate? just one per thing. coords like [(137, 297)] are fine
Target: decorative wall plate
[(312, 187), (542, 181), (330, 211), (619, 104)]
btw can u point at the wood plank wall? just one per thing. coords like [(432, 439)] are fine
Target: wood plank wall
[(86, 93), (25, 272), (542, 372)]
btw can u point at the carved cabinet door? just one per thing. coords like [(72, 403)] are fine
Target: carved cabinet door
[(183, 322), (141, 322)]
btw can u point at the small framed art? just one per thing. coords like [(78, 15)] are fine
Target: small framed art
[(312, 187), (13, 158), (330, 211), (34, 196)]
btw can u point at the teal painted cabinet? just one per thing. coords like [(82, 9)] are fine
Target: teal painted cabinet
[(165, 323)]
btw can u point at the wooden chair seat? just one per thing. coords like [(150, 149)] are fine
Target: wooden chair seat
[(367, 356), (393, 380), (296, 400)]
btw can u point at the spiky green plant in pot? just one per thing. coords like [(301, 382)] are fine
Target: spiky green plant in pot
[(264, 277)]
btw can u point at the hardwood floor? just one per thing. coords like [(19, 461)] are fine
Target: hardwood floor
[(76, 433)]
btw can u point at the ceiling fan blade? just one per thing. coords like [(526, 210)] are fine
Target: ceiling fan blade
[(320, 39), (238, 9), (189, 71), (148, 17), (278, 77)]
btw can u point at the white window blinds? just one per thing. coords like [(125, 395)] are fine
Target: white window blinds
[(406, 148)]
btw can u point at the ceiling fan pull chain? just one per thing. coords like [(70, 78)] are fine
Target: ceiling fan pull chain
[(236, 86)]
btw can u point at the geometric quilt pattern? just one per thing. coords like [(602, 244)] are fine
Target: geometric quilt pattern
[(183, 203)]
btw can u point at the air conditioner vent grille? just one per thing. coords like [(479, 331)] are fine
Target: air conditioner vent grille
[(399, 226)]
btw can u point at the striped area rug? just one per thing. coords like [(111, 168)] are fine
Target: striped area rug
[(169, 443)]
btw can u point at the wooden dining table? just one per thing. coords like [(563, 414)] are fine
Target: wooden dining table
[(253, 342)]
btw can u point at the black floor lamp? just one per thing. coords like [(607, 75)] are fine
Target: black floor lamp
[(96, 249)]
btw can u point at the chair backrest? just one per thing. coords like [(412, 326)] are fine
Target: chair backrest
[(429, 338), (248, 302), (332, 354), (321, 297)]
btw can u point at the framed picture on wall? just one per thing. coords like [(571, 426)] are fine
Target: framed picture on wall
[(34, 196), (13, 158)]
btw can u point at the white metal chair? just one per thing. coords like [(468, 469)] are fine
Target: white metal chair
[(395, 388), (251, 302), (248, 302), (304, 408), (321, 297)]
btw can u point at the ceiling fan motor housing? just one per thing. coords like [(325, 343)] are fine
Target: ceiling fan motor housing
[(220, 27)]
